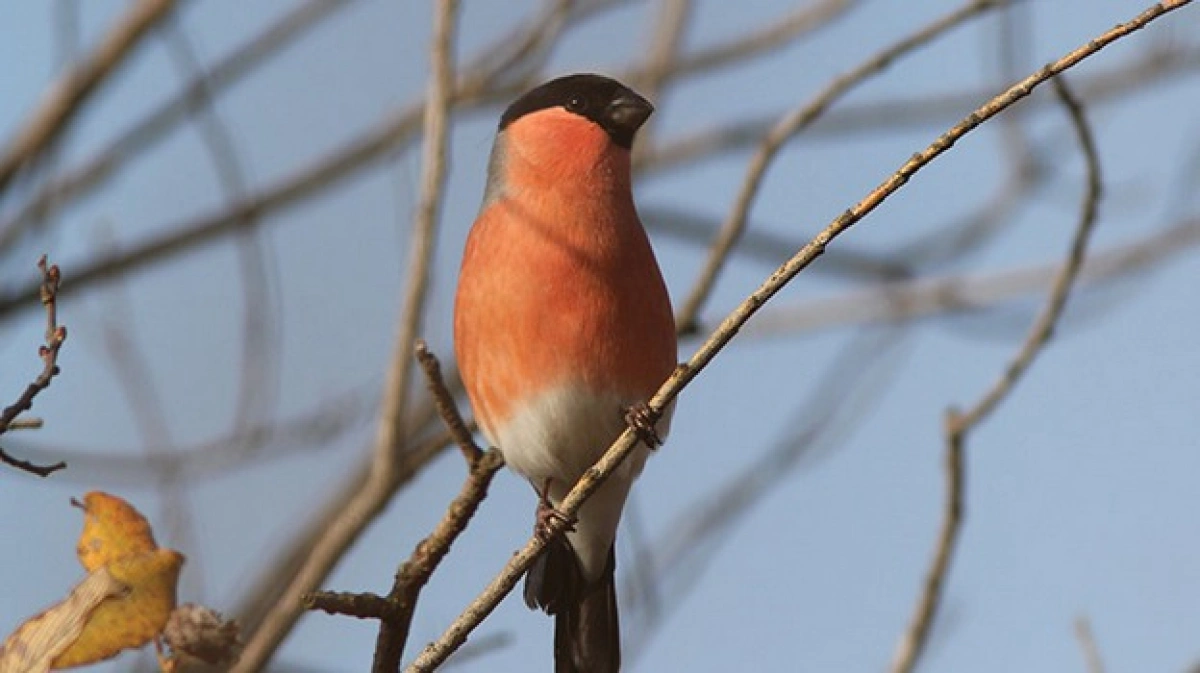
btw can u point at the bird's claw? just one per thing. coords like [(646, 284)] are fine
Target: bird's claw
[(546, 513), (642, 419)]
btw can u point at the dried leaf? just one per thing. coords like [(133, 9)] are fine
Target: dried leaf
[(33, 646), (97, 622), (133, 619)]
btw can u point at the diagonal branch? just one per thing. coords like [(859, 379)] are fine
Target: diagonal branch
[(959, 425), (789, 126), (68, 94), (1087, 645), (395, 611), (144, 133)]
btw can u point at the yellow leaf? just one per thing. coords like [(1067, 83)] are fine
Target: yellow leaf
[(132, 619), (37, 642), (97, 621), (112, 529)]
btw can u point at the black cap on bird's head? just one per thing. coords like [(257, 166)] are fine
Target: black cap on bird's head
[(616, 108)]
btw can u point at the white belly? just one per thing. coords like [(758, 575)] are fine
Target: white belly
[(558, 436)]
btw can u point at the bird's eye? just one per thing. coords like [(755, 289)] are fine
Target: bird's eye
[(577, 104)]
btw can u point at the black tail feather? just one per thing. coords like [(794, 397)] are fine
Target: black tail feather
[(587, 632)]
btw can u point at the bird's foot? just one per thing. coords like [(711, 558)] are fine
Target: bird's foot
[(642, 419), (546, 513)]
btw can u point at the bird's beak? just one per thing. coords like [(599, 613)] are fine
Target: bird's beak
[(629, 111)]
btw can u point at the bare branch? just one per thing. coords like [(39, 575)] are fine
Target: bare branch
[(55, 336), (1087, 645), (789, 126), (1164, 64), (65, 97), (395, 611), (912, 643), (415, 573), (1044, 326), (959, 425), (444, 402)]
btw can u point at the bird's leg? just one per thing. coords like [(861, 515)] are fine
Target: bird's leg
[(546, 512), (641, 419)]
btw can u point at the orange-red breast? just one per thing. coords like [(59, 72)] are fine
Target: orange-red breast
[(561, 321)]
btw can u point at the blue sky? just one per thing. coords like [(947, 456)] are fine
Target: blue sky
[(1078, 487)]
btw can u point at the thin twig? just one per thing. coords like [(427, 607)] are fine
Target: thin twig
[(415, 572), (395, 611), (68, 94), (26, 423), (912, 643), (55, 335), (360, 605), (959, 425), (789, 126), (392, 433), (904, 114), (1087, 645), (444, 402), (1044, 327), (456, 634)]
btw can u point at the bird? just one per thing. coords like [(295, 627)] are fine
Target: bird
[(562, 326)]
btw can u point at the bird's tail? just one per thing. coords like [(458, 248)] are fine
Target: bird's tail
[(587, 633)]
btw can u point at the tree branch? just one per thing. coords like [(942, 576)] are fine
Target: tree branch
[(959, 425), (395, 611), (65, 97), (789, 126), (55, 336)]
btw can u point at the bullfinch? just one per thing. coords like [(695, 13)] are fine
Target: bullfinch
[(562, 323)]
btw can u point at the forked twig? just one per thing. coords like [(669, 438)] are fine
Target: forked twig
[(959, 424), (56, 334)]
